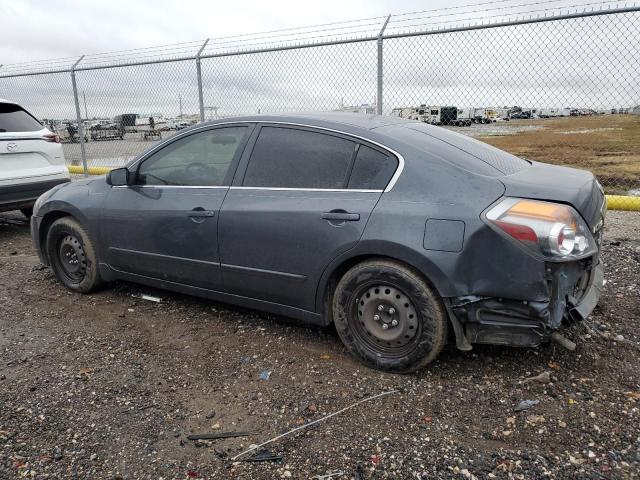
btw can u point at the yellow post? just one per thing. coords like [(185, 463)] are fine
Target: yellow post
[(90, 170), (623, 202)]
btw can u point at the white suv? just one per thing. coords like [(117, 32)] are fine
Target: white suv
[(31, 159)]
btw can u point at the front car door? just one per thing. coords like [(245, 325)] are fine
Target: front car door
[(164, 225), (301, 197)]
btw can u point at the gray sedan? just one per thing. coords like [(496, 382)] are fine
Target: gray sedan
[(401, 234)]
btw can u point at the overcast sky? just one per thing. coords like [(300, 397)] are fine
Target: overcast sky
[(578, 63), (36, 29), (42, 29)]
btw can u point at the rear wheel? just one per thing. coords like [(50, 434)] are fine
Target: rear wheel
[(72, 255), (389, 317)]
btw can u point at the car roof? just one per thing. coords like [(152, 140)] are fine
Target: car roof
[(339, 120), (3, 100), (399, 133)]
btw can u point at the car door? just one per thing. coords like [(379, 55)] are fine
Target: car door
[(164, 225), (291, 210)]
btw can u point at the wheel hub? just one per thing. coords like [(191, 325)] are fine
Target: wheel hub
[(72, 257), (387, 316)]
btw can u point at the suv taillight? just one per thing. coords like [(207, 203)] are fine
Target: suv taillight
[(51, 137)]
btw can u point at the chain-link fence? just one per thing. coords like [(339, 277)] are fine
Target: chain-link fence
[(562, 88)]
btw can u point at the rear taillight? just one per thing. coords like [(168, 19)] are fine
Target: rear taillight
[(552, 230), (51, 137)]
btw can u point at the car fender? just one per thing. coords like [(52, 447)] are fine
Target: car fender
[(65, 201)]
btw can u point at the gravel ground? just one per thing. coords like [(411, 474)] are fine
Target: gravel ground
[(109, 386)]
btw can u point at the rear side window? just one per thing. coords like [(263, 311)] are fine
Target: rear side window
[(291, 158), (372, 169), (14, 118)]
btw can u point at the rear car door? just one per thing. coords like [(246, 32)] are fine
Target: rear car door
[(165, 224), (294, 206)]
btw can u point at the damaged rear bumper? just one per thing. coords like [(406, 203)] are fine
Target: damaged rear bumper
[(574, 290)]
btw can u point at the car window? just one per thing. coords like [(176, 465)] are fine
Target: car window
[(14, 118), (201, 159), (372, 169), (292, 158)]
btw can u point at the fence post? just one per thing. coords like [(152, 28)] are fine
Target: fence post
[(79, 117), (379, 94), (199, 73)]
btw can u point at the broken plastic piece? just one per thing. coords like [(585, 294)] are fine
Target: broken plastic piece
[(264, 456), (525, 405), (215, 436)]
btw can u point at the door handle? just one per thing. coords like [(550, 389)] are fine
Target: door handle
[(341, 216), (200, 212)]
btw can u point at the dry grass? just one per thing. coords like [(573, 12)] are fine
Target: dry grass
[(608, 145)]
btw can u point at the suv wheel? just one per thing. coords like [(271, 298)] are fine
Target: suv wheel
[(388, 316), (72, 255)]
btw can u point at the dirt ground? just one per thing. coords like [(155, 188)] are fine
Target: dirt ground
[(607, 145), (108, 386)]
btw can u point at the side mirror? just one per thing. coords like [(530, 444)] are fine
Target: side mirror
[(118, 177)]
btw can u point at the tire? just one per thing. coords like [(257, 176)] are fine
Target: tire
[(27, 212), (72, 256), (393, 293)]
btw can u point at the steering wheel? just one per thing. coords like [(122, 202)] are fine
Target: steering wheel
[(197, 170)]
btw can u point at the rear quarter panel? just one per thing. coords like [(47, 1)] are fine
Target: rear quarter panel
[(432, 188)]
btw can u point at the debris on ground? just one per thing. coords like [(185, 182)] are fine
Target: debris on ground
[(158, 372), (149, 298), (307, 425), (329, 475), (526, 405), (216, 436), (264, 456)]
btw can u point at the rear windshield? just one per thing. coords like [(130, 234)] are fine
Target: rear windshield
[(14, 118), (502, 161)]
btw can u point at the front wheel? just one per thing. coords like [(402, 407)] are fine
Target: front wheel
[(389, 317), (72, 255)]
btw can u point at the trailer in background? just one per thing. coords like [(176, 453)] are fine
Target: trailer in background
[(126, 122), (411, 113), (485, 115), (466, 116), (555, 112)]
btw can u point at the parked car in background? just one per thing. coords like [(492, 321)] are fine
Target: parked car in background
[(396, 231), (521, 115), (31, 159)]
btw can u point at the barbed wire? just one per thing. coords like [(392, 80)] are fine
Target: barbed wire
[(348, 30)]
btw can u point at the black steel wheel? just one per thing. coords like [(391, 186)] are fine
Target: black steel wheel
[(72, 256), (389, 317), (71, 259)]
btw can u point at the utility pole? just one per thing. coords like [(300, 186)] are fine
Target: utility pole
[(180, 101), (86, 117)]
